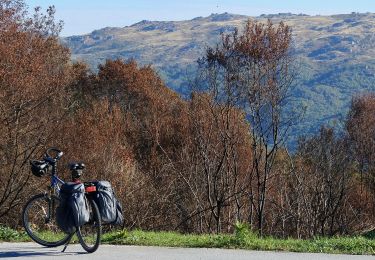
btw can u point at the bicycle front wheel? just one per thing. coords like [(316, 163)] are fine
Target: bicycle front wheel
[(89, 234), (39, 221)]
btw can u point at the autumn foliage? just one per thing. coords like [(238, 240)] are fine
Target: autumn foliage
[(193, 165), (34, 68)]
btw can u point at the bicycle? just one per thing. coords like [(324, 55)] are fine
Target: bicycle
[(39, 213)]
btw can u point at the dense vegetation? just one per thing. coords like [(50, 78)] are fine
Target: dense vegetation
[(195, 166)]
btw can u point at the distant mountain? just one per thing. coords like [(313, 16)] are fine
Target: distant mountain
[(335, 55)]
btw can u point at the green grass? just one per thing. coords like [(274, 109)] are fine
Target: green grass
[(242, 239), (11, 235), (343, 245)]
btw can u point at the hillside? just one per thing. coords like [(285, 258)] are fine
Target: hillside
[(335, 55)]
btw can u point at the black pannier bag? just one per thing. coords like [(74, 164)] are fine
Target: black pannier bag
[(109, 207), (73, 210)]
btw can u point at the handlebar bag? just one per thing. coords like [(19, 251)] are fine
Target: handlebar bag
[(72, 211), (109, 207)]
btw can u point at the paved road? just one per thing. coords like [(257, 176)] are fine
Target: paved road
[(33, 251)]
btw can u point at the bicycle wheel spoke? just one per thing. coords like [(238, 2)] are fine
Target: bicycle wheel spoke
[(40, 223)]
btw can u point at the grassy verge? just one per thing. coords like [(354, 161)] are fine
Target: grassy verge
[(343, 245), (10, 235), (242, 239)]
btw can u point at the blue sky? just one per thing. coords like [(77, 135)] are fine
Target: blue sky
[(84, 16)]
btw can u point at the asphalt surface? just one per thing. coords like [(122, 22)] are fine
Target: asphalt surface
[(35, 252)]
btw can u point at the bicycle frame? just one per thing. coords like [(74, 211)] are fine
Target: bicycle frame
[(55, 181), (54, 189)]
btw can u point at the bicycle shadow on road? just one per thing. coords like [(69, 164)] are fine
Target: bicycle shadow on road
[(35, 251)]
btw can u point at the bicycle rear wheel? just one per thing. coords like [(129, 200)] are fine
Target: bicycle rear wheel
[(39, 221), (89, 234)]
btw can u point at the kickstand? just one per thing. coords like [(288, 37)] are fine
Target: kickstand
[(66, 244)]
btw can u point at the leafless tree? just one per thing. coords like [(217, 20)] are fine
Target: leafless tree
[(361, 130), (323, 175), (253, 70)]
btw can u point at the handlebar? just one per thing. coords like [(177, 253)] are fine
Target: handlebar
[(58, 154)]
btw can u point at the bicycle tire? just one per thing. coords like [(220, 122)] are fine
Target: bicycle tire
[(89, 234), (42, 228)]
